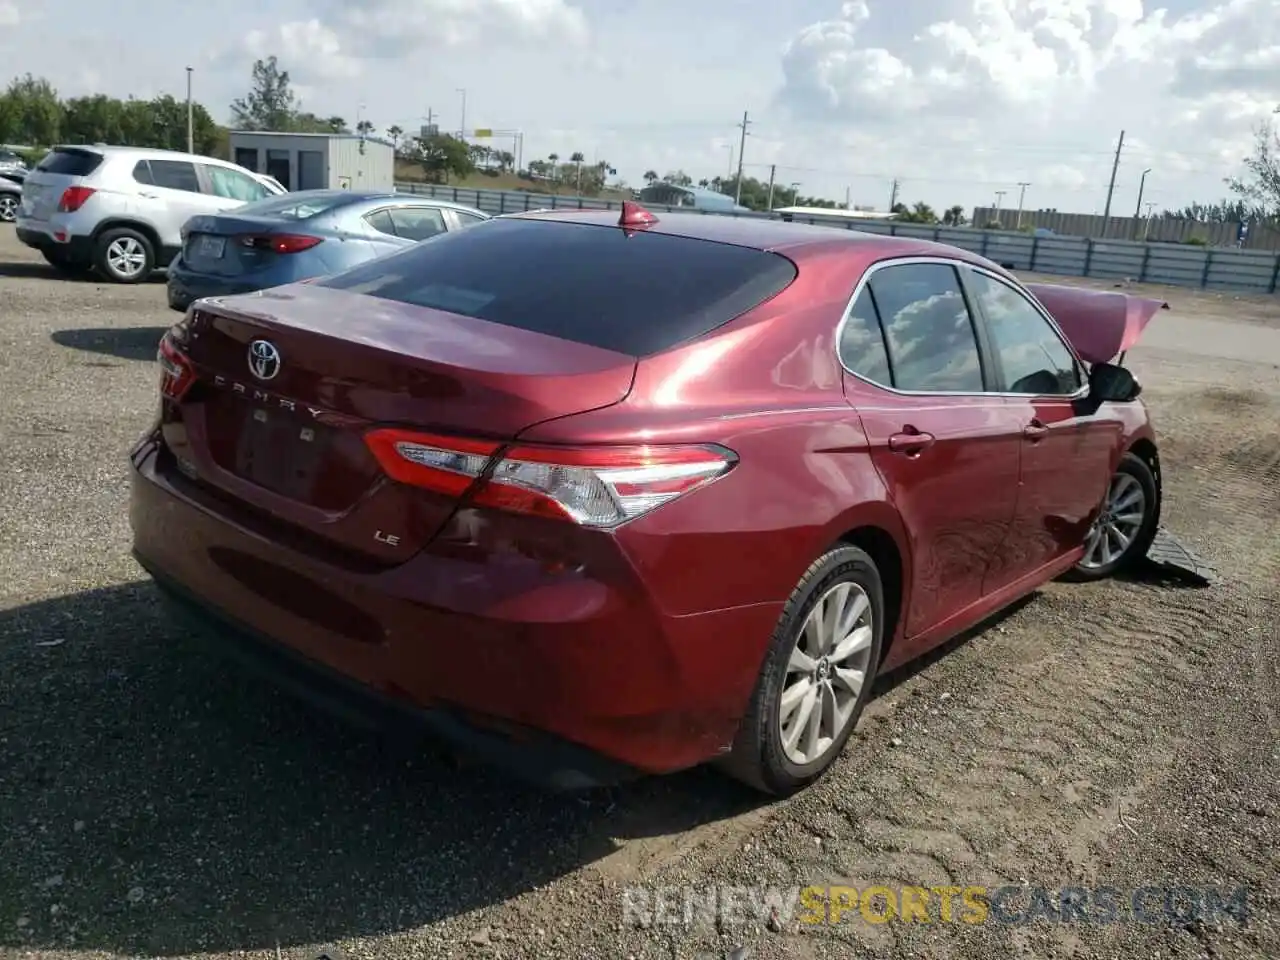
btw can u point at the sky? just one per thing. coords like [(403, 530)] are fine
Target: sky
[(956, 99)]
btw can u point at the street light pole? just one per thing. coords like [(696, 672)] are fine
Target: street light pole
[(1022, 193), (999, 198), (191, 133), (1137, 210), (462, 126)]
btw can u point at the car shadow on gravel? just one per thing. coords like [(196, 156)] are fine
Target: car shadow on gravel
[(39, 270), (125, 343), (159, 802)]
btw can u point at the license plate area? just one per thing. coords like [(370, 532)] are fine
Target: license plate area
[(279, 452), (208, 247)]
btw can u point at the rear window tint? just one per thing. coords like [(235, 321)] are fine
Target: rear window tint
[(70, 163), (290, 206), (638, 293)]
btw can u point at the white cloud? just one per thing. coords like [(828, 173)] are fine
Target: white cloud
[(10, 16)]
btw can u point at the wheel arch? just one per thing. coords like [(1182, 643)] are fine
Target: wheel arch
[(148, 231), (878, 530)]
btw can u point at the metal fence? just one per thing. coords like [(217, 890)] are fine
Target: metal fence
[(1182, 265), (1153, 230)]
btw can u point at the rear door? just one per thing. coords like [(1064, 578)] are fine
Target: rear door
[(919, 375), (1067, 449), (170, 192), (382, 232), (232, 188)]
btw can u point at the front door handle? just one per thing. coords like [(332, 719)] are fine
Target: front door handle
[(1035, 431), (910, 442)]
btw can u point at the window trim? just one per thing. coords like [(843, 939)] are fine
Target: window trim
[(201, 182), (385, 208), (976, 323), (986, 354), (1047, 317), (442, 211)]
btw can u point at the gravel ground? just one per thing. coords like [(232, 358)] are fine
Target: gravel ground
[(156, 803)]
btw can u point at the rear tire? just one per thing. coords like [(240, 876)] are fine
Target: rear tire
[(811, 670), (1131, 511), (8, 208), (123, 255)]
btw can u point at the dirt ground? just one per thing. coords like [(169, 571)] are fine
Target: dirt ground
[(155, 802)]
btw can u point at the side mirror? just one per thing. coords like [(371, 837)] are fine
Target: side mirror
[(1109, 383)]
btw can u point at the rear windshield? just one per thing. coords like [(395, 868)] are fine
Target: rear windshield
[(70, 162), (291, 206), (637, 293)]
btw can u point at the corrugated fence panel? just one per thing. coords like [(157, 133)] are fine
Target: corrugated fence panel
[(1241, 270), (1174, 264), (1182, 265)]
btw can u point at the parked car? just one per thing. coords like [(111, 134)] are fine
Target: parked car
[(590, 495), (310, 233), (9, 160), (120, 210), (10, 195)]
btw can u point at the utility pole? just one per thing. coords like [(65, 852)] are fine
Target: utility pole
[(462, 125), (1022, 193), (742, 146), (191, 130), (846, 198), (1137, 210), (1111, 187), (773, 172), (999, 199), (893, 195)]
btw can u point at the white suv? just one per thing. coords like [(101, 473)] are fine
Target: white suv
[(120, 210)]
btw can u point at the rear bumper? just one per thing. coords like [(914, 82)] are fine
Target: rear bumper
[(54, 239), (185, 287), (490, 640), (546, 762)]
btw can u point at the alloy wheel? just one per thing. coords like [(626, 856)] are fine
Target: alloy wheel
[(1117, 525), (8, 208), (826, 673), (126, 257)]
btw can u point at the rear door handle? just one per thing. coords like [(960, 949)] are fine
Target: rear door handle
[(1034, 431), (910, 442), (149, 196)]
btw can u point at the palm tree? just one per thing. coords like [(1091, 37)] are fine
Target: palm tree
[(650, 176), (337, 124), (395, 132), (554, 158), (577, 158)]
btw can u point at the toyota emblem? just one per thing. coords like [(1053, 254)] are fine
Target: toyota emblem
[(264, 359)]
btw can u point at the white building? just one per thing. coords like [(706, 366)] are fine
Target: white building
[(317, 161)]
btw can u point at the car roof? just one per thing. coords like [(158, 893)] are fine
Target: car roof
[(150, 153), (763, 233)]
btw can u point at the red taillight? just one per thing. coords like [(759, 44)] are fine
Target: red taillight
[(594, 486), (176, 372), (73, 198), (280, 242)]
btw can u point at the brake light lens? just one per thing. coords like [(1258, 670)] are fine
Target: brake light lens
[(598, 486), (73, 198), (280, 242), (176, 371)]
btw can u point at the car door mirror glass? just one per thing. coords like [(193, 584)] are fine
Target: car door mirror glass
[(1111, 383)]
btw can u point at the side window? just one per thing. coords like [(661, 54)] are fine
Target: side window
[(1032, 355), (380, 220), (233, 185), (467, 219), (142, 173), (861, 344), (932, 345), (175, 175), (417, 223)]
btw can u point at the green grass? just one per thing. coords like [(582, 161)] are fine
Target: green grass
[(412, 172)]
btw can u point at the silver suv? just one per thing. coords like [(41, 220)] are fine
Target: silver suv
[(120, 210)]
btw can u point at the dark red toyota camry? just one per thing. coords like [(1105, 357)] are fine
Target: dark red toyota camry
[(591, 496)]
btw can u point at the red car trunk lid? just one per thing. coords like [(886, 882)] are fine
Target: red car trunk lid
[(289, 381)]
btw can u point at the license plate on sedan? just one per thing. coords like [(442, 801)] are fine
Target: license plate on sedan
[(210, 247)]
